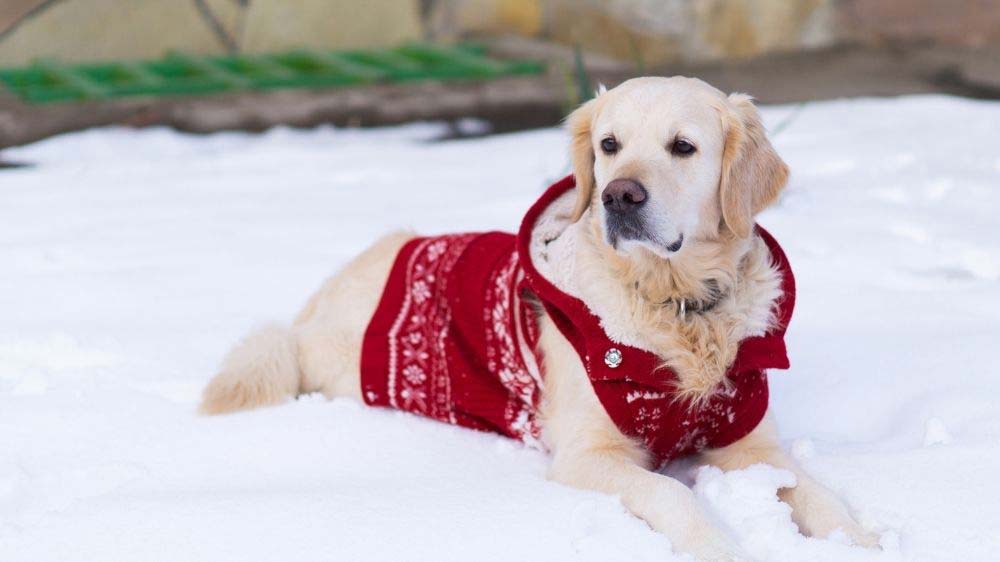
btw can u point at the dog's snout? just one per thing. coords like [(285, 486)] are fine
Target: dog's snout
[(623, 195)]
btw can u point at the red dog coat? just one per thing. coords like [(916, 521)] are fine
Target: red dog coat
[(454, 338)]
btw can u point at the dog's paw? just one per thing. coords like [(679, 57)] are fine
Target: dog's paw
[(819, 513), (835, 523)]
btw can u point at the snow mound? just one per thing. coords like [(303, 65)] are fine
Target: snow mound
[(746, 501), (130, 261)]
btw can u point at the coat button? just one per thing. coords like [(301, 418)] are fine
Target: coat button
[(613, 358)]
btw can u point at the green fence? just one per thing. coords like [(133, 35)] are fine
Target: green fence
[(180, 74)]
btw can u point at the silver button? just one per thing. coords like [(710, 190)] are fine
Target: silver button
[(613, 358)]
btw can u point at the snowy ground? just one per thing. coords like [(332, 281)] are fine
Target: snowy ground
[(131, 260)]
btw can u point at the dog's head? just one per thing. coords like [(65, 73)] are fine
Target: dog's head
[(665, 162)]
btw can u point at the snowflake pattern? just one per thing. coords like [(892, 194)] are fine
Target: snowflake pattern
[(419, 380), (505, 353), (417, 337), (424, 364)]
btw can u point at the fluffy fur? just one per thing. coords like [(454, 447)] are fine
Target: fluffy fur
[(709, 198)]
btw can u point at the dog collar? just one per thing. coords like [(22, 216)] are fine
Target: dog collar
[(697, 306)]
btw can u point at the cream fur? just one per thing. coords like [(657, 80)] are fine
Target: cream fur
[(710, 199), (262, 370), (626, 294)]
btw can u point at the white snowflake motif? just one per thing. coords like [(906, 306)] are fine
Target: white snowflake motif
[(648, 418), (414, 374), (649, 414), (525, 426), (499, 319), (415, 354), (413, 396), (417, 338), (504, 354), (421, 292), (435, 250), (520, 383)]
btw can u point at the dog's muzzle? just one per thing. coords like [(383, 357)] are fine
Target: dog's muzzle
[(625, 202)]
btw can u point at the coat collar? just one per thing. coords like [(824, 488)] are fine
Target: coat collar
[(583, 328)]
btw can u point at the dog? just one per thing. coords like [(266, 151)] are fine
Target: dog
[(629, 322)]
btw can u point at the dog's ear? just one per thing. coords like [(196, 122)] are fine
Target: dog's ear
[(753, 174), (581, 151)]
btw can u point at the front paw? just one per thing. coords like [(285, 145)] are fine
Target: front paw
[(819, 513)]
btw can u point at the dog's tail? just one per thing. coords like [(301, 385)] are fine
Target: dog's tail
[(261, 370)]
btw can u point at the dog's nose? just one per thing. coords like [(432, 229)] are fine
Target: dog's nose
[(623, 196)]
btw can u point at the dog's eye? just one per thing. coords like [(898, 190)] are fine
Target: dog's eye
[(609, 145), (682, 147)]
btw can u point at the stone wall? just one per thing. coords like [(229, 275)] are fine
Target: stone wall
[(80, 30), (642, 31), (658, 31), (652, 31), (969, 23)]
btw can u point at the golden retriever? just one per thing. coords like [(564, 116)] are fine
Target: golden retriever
[(702, 167)]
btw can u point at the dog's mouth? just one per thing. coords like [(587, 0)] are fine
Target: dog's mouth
[(632, 228)]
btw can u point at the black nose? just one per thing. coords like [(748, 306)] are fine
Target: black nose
[(623, 196)]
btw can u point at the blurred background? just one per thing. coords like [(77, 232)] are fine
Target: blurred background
[(54, 57)]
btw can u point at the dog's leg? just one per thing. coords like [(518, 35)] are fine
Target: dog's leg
[(590, 453), (667, 505), (816, 510), (331, 328)]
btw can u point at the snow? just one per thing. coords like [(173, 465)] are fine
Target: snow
[(131, 260)]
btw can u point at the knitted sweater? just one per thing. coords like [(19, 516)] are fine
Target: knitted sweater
[(454, 338)]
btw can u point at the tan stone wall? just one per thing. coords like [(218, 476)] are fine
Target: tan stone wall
[(745, 28), (451, 18), (99, 29), (650, 31), (695, 30), (282, 24), (954, 22), (81, 30), (637, 30)]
